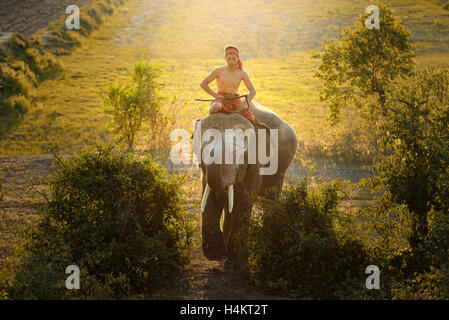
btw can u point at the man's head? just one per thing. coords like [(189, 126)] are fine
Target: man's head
[(232, 56)]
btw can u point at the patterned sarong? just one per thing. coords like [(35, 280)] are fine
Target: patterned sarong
[(229, 105)]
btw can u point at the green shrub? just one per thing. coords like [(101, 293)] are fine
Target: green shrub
[(300, 245), (408, 273), (24, 64), (14, 82), (117, 218), (18, 103), (23, 68), (15, 88), (433, 282), (386, 226), (31, 52), (136, 101)]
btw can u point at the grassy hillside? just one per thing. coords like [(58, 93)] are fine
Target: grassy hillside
[(443, 3), (276, 39)]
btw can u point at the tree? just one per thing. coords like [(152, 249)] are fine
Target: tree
[(359, 69), (416, 129), (134, 101)]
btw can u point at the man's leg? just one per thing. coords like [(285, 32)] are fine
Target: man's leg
[(246, 112), (215, 107)]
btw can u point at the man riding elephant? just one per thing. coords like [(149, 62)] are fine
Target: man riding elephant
[(229, 184)]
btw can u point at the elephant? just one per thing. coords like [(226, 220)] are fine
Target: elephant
[(235, 187)]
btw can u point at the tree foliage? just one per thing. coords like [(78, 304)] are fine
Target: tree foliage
[(135, 101), (416, 132), (372, 73), (358, 70)]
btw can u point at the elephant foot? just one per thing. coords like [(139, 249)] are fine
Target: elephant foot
[(216, 253), (213, 246), (236, 265), (214, 256)]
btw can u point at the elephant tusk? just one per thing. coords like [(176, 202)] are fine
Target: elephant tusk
[(205, 196), (231, 197)]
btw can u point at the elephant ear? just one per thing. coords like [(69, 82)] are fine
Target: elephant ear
[(195, 126), (261, 125)]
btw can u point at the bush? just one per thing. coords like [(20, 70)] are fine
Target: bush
[(136, 101), (14, 82), (31, 52), (23, 63), (408, 273), (300, 245), (117, 218), (15, 89), (18, 103), (433, 282)]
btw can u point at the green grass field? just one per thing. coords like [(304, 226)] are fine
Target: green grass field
[(276, 38)]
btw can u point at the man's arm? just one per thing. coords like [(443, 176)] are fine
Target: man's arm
[(252, 91), (249, 85), (205, 83)]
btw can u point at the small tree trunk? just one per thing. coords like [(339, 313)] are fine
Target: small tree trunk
[(420, 229)]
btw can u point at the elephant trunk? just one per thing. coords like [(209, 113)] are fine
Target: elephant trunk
[(220, 183), (215, 177)]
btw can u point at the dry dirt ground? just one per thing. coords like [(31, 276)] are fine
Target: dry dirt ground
[(28, 16)]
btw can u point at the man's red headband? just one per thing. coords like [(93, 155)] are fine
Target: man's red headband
[(233, 50)]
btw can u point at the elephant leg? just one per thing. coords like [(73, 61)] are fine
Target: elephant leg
[(212, 237), (236, 226), (272, 185)]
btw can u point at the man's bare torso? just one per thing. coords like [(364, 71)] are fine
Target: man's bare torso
[(229, 81)]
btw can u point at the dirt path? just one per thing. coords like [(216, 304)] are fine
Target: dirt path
[(208, 280), (20, 202), (28, 16)]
